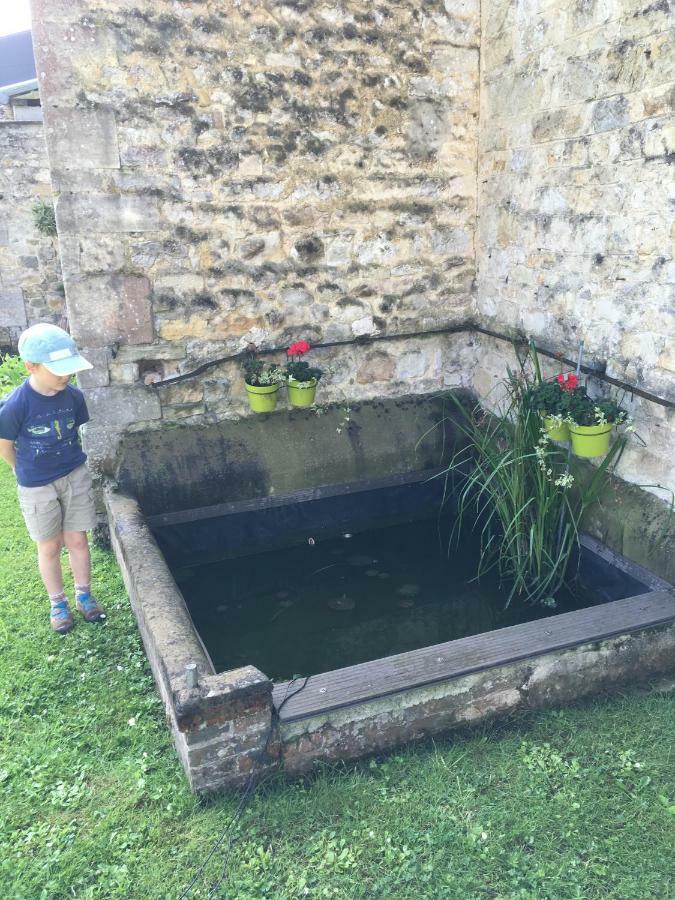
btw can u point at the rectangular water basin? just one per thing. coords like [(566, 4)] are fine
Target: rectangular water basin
[(337, 598), (331, 623)]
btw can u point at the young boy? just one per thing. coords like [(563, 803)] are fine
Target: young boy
[(39, 424)]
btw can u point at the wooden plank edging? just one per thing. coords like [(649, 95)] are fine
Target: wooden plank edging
[(476, 653)]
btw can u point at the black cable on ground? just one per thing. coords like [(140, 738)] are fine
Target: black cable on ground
[(248, 792)]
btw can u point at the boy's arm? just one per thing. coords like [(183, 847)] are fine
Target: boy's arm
[(81, 411), (7, 452)]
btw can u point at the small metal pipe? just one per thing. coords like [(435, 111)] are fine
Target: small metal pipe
[(579, 355), (19, 87), (597, 371), (191, 675)]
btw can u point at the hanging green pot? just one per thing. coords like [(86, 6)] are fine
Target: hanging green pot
[(301, 393), (557, 431), (262, 398), (590, 440)]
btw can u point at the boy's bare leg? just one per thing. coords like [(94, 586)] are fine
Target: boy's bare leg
[(80, 563), (80, 558), (49, 563)]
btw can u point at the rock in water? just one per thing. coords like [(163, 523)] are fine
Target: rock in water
[(372, 573), (361, 560), (221, 608), (342, 603), (405, 602), (409, 590)]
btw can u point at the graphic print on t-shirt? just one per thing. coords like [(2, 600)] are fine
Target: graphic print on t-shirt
[(52, 431)]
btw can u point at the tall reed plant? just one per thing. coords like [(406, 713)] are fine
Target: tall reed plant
[(518, 490)]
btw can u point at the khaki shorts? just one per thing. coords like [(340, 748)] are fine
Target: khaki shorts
[(66, 504)]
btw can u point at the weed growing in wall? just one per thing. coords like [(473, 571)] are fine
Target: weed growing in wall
[(44, 217)]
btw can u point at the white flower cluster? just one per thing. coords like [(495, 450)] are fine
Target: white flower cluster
[(540, 450), (563, 481)]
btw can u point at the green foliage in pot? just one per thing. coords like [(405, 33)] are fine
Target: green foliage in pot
[(301, 371), (548, 398), (584, 410), (259, 373), (551, 398)]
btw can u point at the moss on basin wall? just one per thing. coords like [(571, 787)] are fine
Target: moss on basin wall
[(637, 524), (187, 466)]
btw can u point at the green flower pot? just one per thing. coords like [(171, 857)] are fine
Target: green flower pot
[(262, 398), (590, 440), (556, 432), (301, 393)]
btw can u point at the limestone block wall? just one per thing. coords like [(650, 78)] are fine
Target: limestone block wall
[(258, 172), (575, 233), (30, 277), (266, 171)]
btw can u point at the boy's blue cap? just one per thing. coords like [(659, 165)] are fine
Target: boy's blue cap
[(53, 347)]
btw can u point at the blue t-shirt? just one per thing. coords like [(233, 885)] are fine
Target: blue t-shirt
[(44, 430)]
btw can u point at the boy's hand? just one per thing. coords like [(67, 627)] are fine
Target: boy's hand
[(8, 453)]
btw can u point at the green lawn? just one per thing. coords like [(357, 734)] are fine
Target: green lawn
[(93, 803)]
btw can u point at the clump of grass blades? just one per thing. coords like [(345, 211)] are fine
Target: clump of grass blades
[(518, 489)]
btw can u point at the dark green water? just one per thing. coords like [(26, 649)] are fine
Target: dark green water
[(344, 601)]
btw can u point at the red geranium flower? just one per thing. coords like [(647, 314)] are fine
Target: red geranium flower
[(298, 348), (568, 381)]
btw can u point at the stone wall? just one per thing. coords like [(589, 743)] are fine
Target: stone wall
[(277, 170), (261, 173), (30, 278), (574, 238)]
